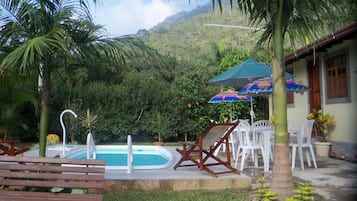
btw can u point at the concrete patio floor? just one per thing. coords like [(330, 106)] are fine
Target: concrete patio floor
[(334, 179)]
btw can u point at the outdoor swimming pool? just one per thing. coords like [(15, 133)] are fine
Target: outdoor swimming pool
[(144, 157)]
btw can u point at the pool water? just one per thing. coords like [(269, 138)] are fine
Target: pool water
[(144, 157), (138, 159)]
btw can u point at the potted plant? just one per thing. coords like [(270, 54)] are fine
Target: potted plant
[(322, 126), (88, 121)]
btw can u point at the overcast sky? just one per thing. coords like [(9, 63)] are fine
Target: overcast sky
[(121, 17)]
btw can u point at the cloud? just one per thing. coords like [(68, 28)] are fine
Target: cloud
[(121, 17)]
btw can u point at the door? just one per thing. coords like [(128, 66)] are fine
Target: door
[(314, 84)]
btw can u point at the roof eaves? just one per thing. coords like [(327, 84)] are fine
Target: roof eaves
[(338, 36)]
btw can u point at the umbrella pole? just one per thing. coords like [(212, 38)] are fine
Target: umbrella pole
[(252, 115), (231, 112)]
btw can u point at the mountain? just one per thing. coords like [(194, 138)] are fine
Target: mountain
[(184, 15), (189, 37)]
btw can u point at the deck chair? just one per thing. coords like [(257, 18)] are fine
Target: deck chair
[(7, 147), (201, 153)]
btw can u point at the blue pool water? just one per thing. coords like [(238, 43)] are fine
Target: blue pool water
[(144, 157)]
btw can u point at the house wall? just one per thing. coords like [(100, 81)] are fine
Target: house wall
[(345, 113), (298, 112), (344, 136)]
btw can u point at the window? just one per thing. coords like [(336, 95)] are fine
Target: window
[(337, 78), (290, 98), (290, 95)]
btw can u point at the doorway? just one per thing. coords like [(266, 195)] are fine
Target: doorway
[(314, 84)]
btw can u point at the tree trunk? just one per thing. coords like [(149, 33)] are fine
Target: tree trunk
[(45, 94), (282, 182)]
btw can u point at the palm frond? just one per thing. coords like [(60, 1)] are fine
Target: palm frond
[(303, 20), (32, 51)]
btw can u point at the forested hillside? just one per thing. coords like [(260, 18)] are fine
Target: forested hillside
[(194, 41)]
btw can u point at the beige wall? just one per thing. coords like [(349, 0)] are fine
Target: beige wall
[(345, 113), (297, 113)]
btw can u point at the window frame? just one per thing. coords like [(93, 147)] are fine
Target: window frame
[(292, 97), (346, 99)]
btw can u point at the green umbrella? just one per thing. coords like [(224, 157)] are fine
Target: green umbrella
[(240, 75)]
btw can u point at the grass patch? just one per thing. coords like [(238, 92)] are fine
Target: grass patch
[(199, 195)]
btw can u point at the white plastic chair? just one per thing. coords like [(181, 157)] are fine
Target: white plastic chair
[(258, 128), (222, 147), (233, 143), (234, 139), (247, 145), (303, 141), (290, 124), (291, 131)]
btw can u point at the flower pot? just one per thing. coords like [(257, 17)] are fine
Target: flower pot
[(323, 148)]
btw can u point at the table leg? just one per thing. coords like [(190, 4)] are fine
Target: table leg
[(267, 145)]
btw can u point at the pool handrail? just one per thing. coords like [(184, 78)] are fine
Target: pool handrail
[(130, 154), (64, 128), (91, 147)]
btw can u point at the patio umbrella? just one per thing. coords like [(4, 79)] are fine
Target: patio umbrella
[(242, 74), (264, 86), (229, 96)]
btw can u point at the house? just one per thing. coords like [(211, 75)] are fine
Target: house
[(329, 67)]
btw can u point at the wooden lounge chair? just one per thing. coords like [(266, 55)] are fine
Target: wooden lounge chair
[(7, 147), (201, 153)]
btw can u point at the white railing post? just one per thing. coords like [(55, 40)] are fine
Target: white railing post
[(91, 147), (130, 154)]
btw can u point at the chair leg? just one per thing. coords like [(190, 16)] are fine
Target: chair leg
[(223, 147), (301, 156), (252, 153), (244, 154), (263, 155), (255, 158), (293, 157), (271, 154), (313, 155), (237, 157), (233, 149), (271, 150), (215, 153), (308, 157)]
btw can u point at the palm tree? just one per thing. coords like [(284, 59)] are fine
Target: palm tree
[(14, 98), (302, 20), (38, 36)]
